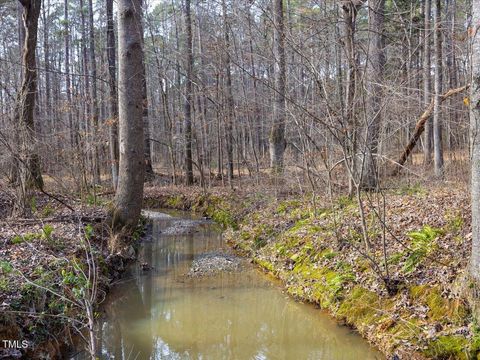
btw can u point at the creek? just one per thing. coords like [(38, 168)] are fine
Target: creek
[(157, 312)]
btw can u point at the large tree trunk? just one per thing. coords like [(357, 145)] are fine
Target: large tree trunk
[(95, 110), (229, 95), (277, 132), (46, 54), (451, 69), (146, 128), (350, 121), (189, 96), (85, 127), (375, 65), (28, 163), (68, 85), (437, 125), (475, 141), (112, 81), (427, 82), (129, 195)]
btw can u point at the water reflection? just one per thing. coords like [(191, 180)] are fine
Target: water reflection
[(162, 314)]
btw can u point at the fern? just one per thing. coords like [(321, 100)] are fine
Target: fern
[(423, 242)]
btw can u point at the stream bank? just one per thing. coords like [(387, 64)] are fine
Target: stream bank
[(225, 309), (43, 260), (427, 252)]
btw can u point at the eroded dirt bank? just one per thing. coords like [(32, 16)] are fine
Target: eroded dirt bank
[(46, 265)]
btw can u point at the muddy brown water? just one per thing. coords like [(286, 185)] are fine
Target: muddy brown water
[(162, 314)]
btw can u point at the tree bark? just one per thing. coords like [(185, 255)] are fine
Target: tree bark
[(188, 95), (94, 99), (46, 54), (475, 140), (375, 66), (28, 162), (427, 82), (146, 130), (229, 95), (437, 125), (277, 132), (350, 122), (112, 81), (129, 194)]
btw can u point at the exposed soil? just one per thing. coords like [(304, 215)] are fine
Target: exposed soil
[(40, 258)]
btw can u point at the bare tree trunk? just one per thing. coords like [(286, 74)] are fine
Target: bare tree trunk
[(451, 70), (189, 96), (28, 162), (437, 125), (112, 81), (475, 142), (68, 84), (146, 128), (129, 194), (229, 95), (46, 54), (86, 126), (375, 65), (277, 132), (95, 111), (350, 146), (146, 131), (427, 82)]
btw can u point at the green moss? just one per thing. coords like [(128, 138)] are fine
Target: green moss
[(175, 202), (264, 264), (245, 235), (328, 254), (450, 347), (286, 206), (301, 213), (299, 225), (405, 330), (297, 291), (360, 307), (307, 271), (326, 285), (440, 309), (222, 216), (261, 234)]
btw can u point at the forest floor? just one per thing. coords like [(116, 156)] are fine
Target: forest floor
[(316, 250), (318, 253), (45, 264)]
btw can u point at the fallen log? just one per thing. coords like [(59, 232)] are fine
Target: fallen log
[(420, 127)]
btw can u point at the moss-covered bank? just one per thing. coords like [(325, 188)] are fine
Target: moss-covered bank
[(314, 251)]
